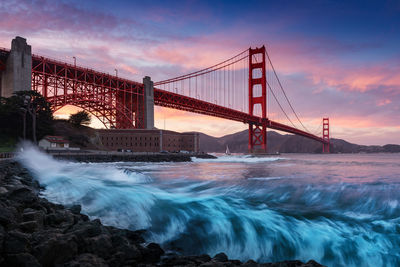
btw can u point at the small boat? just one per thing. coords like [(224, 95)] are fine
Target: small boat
[(227, 152)]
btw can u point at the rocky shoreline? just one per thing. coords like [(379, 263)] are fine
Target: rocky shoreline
[(35, 232)]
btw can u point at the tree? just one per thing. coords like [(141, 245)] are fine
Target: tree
[(13, 110), (80, 118)]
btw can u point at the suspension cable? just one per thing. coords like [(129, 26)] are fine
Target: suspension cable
[(272, 91), (280, 85)]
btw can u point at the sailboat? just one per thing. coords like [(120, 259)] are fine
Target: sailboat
[(227, 152)]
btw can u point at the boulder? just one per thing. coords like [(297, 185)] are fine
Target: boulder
[(7, 215), (21, 260), (75, 209), (16, 242), (220, 257), (34, 215), (152, 253), (87, 260), (22, 194), (3, 190), (100, 245), (61, 218), (55, 251), (29, 227)]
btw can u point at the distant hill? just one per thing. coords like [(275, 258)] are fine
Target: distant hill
[(286, 143), (87, 138)]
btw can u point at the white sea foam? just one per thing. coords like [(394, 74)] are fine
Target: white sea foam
[(238, 159)]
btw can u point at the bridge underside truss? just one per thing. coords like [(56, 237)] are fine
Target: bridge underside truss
[(117, 103)]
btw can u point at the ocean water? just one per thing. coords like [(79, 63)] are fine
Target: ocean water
[(340, 210)]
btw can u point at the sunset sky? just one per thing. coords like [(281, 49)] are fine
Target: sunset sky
[(339, 59)]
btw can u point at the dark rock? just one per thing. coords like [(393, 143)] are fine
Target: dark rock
[(250, 263), (220, 257), (87, 260), (6, 216), (22, 194), (87, 229), (62, 218), (84, 217), (37, 216), (100, 245), (3, 190), (312, 263), (152, 253), (21, 260), (185, 260), (29, 227), (2, 236), (55, 251), (16, 242), (130, 252), (76, 209)]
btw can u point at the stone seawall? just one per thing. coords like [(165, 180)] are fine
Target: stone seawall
[(129, 157)]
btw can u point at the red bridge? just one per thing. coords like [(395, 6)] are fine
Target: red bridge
[(239, 89)]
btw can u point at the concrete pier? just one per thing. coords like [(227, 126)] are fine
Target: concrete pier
[(148, 103), (17, 75)]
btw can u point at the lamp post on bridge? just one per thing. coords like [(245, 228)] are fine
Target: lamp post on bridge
[(116, 72), (74, 61)]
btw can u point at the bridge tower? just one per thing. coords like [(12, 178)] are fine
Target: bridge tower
[(325, 134), (17, 72), (257, 96)]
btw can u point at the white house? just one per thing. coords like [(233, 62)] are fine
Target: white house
[(54, 142)]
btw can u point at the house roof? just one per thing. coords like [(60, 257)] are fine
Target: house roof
[(56, 139)]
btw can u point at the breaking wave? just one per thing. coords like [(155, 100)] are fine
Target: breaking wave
[(313, 215)]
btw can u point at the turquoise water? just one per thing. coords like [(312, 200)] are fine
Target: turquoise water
[(340, 210)]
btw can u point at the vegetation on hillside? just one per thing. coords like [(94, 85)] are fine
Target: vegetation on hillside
[(12, 112), (80, 118)]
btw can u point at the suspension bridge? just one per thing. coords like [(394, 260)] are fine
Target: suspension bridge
[(244, 88)]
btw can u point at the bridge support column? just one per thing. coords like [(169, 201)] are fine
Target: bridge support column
[(258, 96), (325, 135), (148, 103), (17, 75)]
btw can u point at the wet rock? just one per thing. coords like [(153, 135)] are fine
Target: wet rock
[(100, 245), (220, 257), (2, 237), (312, 263), (3, 190), (33, 215), (62, 218), (21, 260), (16, 242), (87, 229), (55, 251), (152, 253), (76, 209), (250, 263), (87, 260), (22, 194), (29, 227), (6, 215), (185, 260)]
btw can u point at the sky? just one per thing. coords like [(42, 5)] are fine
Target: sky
[(336, 59)]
